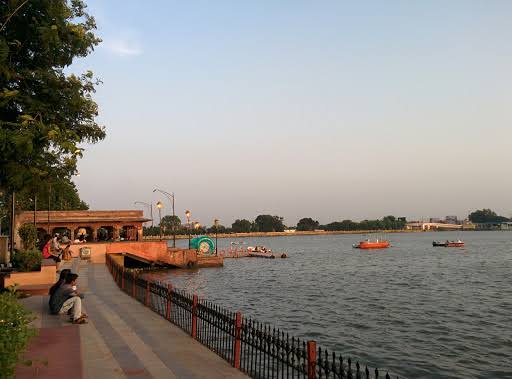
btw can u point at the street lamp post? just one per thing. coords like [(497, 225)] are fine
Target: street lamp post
[(187, 215), (170, 196), (216, 223), (35, 208), (150, 206), (159, 205)]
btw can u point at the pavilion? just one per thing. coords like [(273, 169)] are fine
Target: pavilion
[(98, 225)]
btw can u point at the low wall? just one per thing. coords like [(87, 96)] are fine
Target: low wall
[(46, 276), (150, 250)]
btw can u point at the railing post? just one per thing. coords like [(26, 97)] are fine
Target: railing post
[(311, 360), (133, 284), (238, 340), (122, 279), (169, 301), (194, 316), (148, 294)]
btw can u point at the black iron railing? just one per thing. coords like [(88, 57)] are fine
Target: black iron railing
[(253, 347)]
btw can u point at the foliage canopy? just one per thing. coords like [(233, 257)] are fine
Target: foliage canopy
[(485, 215), (15, 332), (45, 113)]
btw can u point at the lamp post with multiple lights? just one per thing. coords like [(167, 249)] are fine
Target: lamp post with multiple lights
[(150, 206), (160, 205), (187, 215), (216, 223), (170, 196)]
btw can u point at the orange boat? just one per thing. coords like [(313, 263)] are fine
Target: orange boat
[(372, 244)]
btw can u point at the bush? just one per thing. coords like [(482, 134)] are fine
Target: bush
[(28, 235), (27, 260), (15, 332)]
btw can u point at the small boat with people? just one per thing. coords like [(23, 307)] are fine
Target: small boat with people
[(368, 244), (447, 243), (260, 252)]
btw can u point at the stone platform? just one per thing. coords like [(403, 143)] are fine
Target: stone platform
[(123, 339)]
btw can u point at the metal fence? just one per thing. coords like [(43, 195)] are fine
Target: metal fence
[(251, 346)]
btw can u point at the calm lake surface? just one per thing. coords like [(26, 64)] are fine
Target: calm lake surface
[(412, 309)]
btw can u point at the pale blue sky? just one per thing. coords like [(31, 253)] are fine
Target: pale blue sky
[(329, 109)]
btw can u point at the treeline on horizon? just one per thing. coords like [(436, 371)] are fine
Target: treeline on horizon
[(269, 223)]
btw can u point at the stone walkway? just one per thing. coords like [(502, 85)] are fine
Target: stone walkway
[(123, 339)]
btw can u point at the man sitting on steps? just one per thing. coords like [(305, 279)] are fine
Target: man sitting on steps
[(66, 298)]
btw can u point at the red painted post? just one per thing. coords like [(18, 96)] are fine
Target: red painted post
[(311, 360), (147, 294), (122, 279), (238, 340), (194, 316), (133, 284), (169, 301)]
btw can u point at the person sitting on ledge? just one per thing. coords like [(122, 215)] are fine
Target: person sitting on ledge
[(47, 250), (66, 298)]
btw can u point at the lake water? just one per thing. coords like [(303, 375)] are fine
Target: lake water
[(416, 310)]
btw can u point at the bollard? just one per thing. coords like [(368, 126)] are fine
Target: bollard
[(194, 316), (238, 340), (148, 294), (169, 301), (311, 360)]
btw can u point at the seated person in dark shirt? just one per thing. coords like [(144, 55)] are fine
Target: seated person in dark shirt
[(66, 298), (60, 282)]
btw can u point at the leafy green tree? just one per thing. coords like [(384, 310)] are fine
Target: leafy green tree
[(45, 113), (219, 229), (486, 215), (28, 235), (169, 221), (63, 195), (307, 224), (241, 226), (268, 223)]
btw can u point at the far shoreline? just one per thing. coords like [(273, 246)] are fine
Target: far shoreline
[(299, 233)]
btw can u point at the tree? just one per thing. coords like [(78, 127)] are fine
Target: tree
[(241, 226), (63, 195), (45, 113), (307, 224), (268, 223), (485, 215), (169, 221)]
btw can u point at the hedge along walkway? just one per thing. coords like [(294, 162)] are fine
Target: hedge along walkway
[(123, 339)]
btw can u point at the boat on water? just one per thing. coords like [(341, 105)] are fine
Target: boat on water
[(367, 244), (447, 243), (260, 252)]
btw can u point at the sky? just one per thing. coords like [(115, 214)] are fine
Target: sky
[(331, 110)]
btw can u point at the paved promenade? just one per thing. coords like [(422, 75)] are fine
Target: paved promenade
[(123, 339)]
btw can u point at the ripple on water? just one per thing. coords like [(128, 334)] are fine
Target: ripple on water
[(417, 311)]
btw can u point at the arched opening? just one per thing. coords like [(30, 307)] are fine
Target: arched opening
[(41, 232), (128, 233), (107, 233), (103, 234), (83, 234), (62, 230)]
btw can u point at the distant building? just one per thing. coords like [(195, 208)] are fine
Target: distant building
[(507, 225), (435, 219), (451, 220)]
